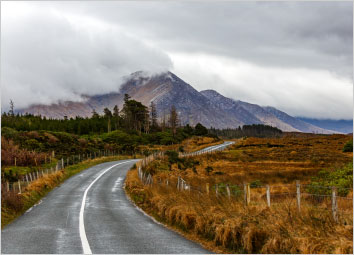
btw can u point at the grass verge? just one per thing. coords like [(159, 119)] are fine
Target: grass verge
[(14, 205)]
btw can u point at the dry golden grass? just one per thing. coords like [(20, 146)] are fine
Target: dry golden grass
[(227, 225), (189, 145)]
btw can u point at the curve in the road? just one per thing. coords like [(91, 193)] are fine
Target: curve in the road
[(110, 221)]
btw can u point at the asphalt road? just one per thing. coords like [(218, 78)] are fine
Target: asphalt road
[(90, 213)]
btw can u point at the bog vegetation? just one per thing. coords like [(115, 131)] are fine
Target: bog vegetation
[(227, 225)]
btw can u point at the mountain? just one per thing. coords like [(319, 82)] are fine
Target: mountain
[(255, 114), (207, 107), (343, 126)]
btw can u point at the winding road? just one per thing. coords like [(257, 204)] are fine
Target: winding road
[(90, 213)]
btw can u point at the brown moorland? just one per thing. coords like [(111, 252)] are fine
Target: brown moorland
[(228, 225)]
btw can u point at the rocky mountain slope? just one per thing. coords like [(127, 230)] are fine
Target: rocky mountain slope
[(207, 107)]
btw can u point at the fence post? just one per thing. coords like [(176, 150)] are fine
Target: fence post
[(167, 182), (27, 179), (7, 186), (245, 193), (30, 175), (15, 161), (248, 193), (37, 175), (19, 186), (334, 204), (228, 191), (207, 188), (62, 163), (268, 195), (216, 189), (178, 183), (298, 195), (57, 167)]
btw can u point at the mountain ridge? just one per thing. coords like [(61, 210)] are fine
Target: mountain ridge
[(207, 107)]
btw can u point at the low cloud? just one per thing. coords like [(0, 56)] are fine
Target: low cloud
[(48, 57), (296, 56), (297, 91)]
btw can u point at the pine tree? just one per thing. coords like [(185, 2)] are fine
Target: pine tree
[(173, 121), (153, 116)]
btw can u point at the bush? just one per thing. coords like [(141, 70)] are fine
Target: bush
[(209, 169), (342, 178), (348, 147)]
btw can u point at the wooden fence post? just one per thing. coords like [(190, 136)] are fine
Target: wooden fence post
[(7, 186), (298, 195), (334, 204), (37, 175), (19, 187), (207, 188), (228, 191), (248, 193), (30, 175), (15, 161), (245, 193), (216, 189), (167, 182), (27, 179), (62, 163), (268, 195)]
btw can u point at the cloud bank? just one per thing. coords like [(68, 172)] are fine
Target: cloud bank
[(48, 57), (296, 56)]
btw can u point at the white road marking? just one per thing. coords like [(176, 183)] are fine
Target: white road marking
[(117, 184), (83, 237)]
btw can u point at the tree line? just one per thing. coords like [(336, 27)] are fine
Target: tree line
[(255, 130), (134, 117)]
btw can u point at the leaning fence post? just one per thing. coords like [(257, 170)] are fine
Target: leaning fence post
[(298, 195), (268, 195), (228, 190), (27, 179), (19, 186), (207, 188), (334, 204)]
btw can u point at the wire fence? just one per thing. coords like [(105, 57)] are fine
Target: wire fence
[(26, 179), (336, 200)]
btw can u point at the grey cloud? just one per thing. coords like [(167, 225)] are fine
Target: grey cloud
[(47, 58), (294, 34)]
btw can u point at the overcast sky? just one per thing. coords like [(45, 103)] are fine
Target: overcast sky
[(295, 56)]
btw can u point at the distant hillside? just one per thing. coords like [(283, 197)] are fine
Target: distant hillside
[(206, 107), (343, 126)]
